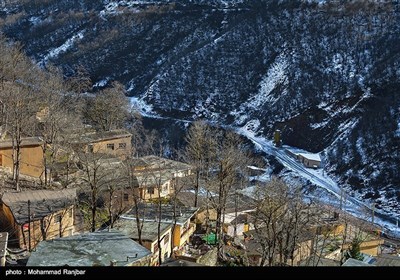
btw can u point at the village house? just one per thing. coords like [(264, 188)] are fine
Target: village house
[(184, 220), (149, 235), (32, 216), (334, 234), (118, 197), (154, 176), (315, 260), (309, 160), (236, 224), (236, 204), (253, 239), (3, 248), (101, 248), (31, 156), (115, 142)]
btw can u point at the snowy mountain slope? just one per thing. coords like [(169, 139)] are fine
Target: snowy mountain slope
[(324, 72)]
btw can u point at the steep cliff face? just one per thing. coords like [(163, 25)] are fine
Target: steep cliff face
[(327, 73)]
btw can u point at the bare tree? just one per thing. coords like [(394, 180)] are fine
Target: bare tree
[(133, 185), (99, 175), (55, 120), (198, 151), (231, 158), (280, 218), (108, 109), (80, 82)]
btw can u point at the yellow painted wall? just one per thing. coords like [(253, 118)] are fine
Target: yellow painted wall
[(146, 196), (52, 228), (181, 237), (7, 219), (371, 247), (101, 147), (31, 160), (202, 215)]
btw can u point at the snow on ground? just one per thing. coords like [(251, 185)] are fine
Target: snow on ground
[(114, 7), (64, 47), (332, 192), (276, 75), (102, 83), (140, 105), (204, 192)]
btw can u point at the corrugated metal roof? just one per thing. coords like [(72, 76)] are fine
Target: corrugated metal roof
[(43, 202)]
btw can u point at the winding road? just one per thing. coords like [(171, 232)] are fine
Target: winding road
[(351, 205)]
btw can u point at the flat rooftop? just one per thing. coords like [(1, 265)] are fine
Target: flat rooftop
[(314, 157), (99, 248), (128, 226), (26, 142), (149, 212), (92, 137), (42, 202)]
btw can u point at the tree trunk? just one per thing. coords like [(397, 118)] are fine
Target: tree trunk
[(196, 189)]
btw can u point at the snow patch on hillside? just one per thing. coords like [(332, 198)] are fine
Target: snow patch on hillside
[(276, 75), (116, 7), (64, 47), (138, 104), (397, 132)]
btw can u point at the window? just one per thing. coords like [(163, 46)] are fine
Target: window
[(122, 146), (126, 197), (110, 147), (90, 147), (70, 213), (150, 190), (166, 238), (57, 218), (155, 250)]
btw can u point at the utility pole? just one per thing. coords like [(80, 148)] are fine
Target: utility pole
[(29, 225)]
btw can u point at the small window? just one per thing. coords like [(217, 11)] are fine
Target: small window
[(122, 146), (166, 238), (110, 147), (57, 218), (126, 197), (150, 190), (155, 250), (90, 147)]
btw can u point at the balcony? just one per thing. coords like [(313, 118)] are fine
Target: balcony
[(186, 234)]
